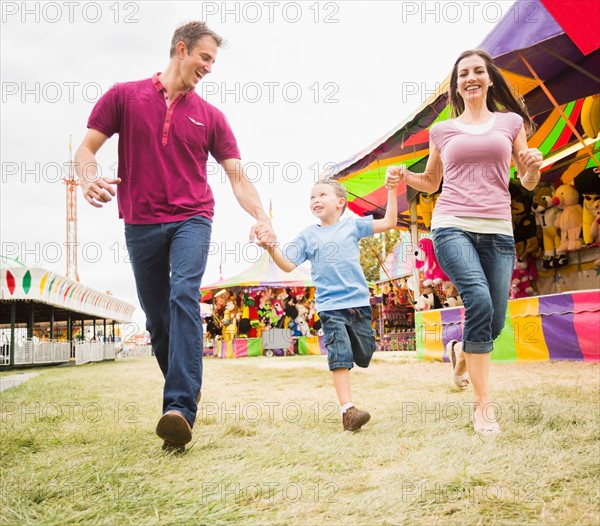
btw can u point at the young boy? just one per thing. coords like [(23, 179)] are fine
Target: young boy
[(342, 294)]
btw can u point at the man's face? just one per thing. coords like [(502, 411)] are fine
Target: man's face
[(197, 62)]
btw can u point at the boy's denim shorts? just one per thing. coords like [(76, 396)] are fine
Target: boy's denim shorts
[(348, 337)]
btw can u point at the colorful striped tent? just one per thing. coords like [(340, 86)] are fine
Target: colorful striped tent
[(553, 327), (564, 54), (264, 273)]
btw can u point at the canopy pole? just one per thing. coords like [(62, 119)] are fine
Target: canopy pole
[(382, 265), (414, 239), (556, 105)]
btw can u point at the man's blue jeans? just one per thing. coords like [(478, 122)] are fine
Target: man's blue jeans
[(168, 261), (480, 267)]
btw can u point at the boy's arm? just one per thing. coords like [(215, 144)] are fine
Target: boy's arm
[(280, 260), (390, 219)]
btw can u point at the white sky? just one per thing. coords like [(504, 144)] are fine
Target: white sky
[(303, 84)]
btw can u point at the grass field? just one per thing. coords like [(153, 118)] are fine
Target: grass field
[(78, 447)]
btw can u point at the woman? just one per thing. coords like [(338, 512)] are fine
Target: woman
[(471, 223)]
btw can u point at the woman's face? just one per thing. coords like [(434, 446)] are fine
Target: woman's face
[(473, 80)]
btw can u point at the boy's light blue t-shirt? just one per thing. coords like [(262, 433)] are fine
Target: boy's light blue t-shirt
[(334, 254)]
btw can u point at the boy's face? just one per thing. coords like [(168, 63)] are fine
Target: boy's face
[(325, 204)]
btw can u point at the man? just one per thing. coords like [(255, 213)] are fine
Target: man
[(166, 132)]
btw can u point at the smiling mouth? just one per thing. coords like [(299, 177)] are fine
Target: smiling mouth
[(472, 88), (198, 74), (317, 209)]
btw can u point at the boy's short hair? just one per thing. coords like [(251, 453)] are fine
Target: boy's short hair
[(338, 188), (190, 33)]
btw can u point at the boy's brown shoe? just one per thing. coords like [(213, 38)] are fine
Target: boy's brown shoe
[(354, 419)]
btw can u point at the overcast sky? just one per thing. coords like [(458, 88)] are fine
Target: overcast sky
[(303, 84)]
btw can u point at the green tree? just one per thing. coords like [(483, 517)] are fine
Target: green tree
[(370, 263)]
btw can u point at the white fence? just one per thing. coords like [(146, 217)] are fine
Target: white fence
[(34, 353), (38, 353), (86, 352)]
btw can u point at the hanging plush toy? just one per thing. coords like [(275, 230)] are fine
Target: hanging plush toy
[(595, 225), (524, 274), (587, 183), (524, 227), (212, 328), (302, 325), (230, 320), (428, 300), (566, 199), (545, 217), (425, 206), (453, 298), (427, 263)]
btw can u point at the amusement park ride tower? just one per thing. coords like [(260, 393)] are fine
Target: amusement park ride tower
[(72, 184)]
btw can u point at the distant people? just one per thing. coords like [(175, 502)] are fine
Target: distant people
[(166, 132), (471, 223), (342, 294)]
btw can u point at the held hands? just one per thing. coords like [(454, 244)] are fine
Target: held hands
[(263, 232), (98, 192), (395, 175), (531, 159), (392, 178)]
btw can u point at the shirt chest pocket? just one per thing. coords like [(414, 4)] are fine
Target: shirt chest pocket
[(192, 132)]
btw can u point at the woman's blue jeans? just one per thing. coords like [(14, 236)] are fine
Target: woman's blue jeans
[(480, 266), (168, 261)]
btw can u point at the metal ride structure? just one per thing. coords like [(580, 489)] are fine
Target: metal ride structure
[(71, 183)]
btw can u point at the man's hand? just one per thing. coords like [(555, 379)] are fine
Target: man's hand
[(98, 192), (263, 232)]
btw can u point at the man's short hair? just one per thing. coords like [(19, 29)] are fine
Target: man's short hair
[(190, 33)]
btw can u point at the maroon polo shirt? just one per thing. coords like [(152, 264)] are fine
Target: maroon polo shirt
[(163, 150)]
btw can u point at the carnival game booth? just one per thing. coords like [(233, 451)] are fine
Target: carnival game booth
[(552, 60), (46, 318), (392, 299), (393, 314), (262, 311)]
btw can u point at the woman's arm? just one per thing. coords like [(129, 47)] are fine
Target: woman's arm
[(427, 182), (528, 161)]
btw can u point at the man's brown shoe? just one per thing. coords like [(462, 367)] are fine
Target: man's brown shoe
[(354, 419), (174, 429), (171, 447)]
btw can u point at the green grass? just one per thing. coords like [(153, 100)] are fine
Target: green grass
[(77, 446)]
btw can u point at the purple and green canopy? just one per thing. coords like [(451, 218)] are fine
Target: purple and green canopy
[(561, 42)]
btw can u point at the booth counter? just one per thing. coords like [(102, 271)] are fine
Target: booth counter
[(272, 342), (563, 326)]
